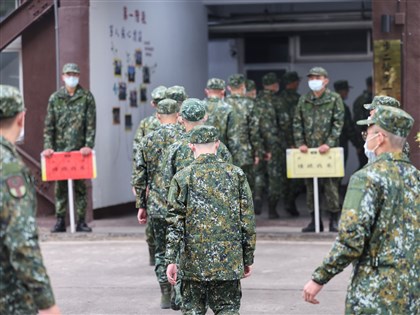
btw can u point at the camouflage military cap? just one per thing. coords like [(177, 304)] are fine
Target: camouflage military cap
[(341, 85), (317, 71), (392, 119), (204, 134), (193, 109), (71, 67), (382, 100), (167, 106), (235, 80), (11, 102), (270, 78), (158, 93), (250, 85), (176, 93), (216, 84), (290, 76)]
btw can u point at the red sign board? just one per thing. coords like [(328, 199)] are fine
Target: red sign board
[(68, 165)]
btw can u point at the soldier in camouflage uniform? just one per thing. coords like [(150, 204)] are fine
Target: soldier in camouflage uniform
[(176, 93), (70, 125), (146, 126), (24, 284), (349, 131), (379, 227), (359, 112), (387, 101), (318, 121), (211, 224), (219, 113), (288, 100), (268, 169), (247, 149), (179, 156), (148, 184)]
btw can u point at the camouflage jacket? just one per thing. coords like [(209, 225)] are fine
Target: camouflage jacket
[(22, 272), (70, 123), (221, 116), (148, 158), (211, 217), (248, 142), (318, 121), (179, 156), (146, 126), (380, 233), (287, 106), (266, 114)]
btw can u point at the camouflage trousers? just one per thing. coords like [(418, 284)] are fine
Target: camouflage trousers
[(268, 175), (150, 236), (17, 302), (328, 194), (159, 227), (223, 297), (61, 197)]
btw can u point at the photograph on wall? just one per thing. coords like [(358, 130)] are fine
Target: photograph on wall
[(115, 115), (133, 98), (117, 67), (128, 122), (131, 71), (146, 75), (122, 91), (143, 93), (139, 57)]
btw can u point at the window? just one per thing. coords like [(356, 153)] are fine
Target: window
[(266, 49), (6, 7), (9, 68)]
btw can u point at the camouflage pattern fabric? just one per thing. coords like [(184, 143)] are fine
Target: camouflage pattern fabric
[(360, 112), (146, 126), (61, 198), (328, 194), (25, 286), (148, 156), (379, 234), (179, 156), (319, 121), (211, 216), (11, 101), (70, 123), (248, 142), (221, 115), (223, 297)]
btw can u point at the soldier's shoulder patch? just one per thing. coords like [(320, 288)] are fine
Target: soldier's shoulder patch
[(16, 185)]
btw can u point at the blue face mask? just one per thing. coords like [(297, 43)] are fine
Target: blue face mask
[(370, 154)]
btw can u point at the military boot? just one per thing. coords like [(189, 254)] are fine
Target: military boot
[(272, 212), (60, 226), (311, 225), (334, 217), (151, 255), (165, 299), (82, 226)]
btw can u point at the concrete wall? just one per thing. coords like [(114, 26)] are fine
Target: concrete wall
[(173, 54)]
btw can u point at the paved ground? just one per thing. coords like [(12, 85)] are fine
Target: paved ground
[(113, 277)]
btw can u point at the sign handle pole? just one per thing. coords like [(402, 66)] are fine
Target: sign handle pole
[(316, 205), (71, 205)]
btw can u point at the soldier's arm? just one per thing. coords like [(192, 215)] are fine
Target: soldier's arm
[(232, 132), (169, 166), (356, 222), (139, 175), (247, 220), (298, 130), (49, 126), (337, 123), (21, 241), (175, 218), (254, 128), (90, 121)]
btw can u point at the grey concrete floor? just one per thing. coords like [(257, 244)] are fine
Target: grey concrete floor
[(111, 276)]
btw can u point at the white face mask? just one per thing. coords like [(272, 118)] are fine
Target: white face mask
[(316, 85), (370, 154), (71, 81)]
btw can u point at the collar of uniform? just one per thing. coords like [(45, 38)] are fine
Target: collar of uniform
[(6, 143), (326, 97), (393, 156), (214, 98), (62, 92), (206, 158)]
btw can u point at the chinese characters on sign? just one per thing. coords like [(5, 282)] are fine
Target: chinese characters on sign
[(68, 165), (387, 67), (314, 164)]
